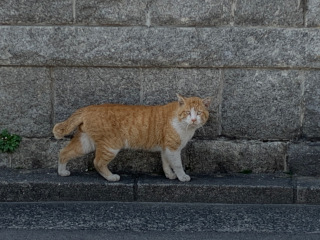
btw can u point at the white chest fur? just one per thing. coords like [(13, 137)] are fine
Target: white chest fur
[(185, 132)]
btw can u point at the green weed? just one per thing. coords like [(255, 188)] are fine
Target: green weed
[(9, 142)]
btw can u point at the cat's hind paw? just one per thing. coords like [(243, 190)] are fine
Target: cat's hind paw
[(113, 178), (184, 178)]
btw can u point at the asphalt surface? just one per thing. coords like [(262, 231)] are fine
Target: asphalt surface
[(14, 234), (115, 220)]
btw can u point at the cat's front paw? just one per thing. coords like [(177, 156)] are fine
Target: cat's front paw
[(184, 178), (171, 175), (64, 173), (113, 178)]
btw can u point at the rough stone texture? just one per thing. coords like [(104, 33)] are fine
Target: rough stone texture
[(79, 87), (36, 12), (286, 13), (4, 160), (44, 185), (262, 104), (259, 47), (158, 221), (137, 46), (210, 157), (304, 158), (122, 12), (40, 153), (313, 13), (163, 12), (190, 13), (25, 99), (161, 85), (254, 189), (311, 121), (308, 190)]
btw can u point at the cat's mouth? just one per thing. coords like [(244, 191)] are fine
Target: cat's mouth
[(193, 125)]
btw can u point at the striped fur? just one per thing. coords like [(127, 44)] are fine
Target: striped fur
[(108, 128)]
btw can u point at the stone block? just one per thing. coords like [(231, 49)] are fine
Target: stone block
[(161, 85), (190, 13), (308, 190), (79, 87), (41, 153), (25, 96), (223, 156), (259, 47), (262, 104), (304, 158), (313, 13), (46, 185), (122, 12), (36, 12), (159, 47), (285, 13), (311, 120), (230, 189)]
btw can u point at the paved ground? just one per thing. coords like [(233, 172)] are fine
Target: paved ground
[(13, 234), (115, 220)]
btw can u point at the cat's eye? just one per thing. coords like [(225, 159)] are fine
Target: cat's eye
[(188, 113), (199, 113)]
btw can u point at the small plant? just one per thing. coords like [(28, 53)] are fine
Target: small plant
[(9, 142)]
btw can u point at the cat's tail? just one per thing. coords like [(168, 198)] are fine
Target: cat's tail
[(64, 128)]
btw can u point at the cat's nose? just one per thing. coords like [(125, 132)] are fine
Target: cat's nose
[(193, 120)]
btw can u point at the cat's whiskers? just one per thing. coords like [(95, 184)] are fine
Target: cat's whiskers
[(187, 127)]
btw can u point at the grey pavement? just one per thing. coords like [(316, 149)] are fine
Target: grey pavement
[(13, 234), (116, 220)]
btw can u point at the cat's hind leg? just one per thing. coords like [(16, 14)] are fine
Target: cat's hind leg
[(102, 159), (166, 167), (79, 145)]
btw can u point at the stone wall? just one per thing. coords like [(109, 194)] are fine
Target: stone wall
[(258, 59)]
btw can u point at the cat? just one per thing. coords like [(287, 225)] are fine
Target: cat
[(108, 128)]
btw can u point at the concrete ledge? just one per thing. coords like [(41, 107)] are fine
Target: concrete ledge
[(46, 185), (230, 189)]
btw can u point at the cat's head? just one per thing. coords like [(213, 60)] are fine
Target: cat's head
[(193, 111)]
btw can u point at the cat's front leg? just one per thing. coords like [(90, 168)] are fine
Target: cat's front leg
[(174, 159), (166, 167)]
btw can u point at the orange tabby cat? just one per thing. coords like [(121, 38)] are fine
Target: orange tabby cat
[(108, 128)]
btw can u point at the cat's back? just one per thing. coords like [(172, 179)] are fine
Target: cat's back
[(129, 114), (110, 108), (132, 126)]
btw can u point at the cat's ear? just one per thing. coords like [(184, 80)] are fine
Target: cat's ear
[(180, 99), (206, 102)]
